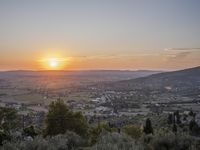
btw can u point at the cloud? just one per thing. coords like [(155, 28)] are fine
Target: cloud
[(117, 56), (183, 54), (182, 49), (178, 56)]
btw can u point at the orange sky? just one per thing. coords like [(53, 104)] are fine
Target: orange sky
[(167, 60), (158, 35)]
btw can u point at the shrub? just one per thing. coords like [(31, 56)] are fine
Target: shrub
[(66, 141), (115, 141), (172, 142), (133, 131), (96, 130)]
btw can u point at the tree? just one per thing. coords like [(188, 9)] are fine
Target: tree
[(60, 118), (9, 120), (178, 117), (194, 128), (174, 129), (170, 119), (148, 127)]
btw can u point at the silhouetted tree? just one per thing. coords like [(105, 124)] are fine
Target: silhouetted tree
[(148, 127), (192, 124), (174, 129), (178, 117), (170, 119), (194, 128)]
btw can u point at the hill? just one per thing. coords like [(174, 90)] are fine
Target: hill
[(176, 81), (102, 75)]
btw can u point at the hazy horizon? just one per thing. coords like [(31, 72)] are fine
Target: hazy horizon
[(45, 70)]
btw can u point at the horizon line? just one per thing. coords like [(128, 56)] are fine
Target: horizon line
[(44, 70)]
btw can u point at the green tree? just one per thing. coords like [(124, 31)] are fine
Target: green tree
[(9, 121), (148, 127), (60, 118), (133, 131)]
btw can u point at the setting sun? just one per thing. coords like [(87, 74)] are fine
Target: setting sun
[(53, 63)]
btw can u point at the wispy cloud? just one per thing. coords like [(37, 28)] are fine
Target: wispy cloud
[(183, 54), (178, 56), (182, 49), (116, 56)]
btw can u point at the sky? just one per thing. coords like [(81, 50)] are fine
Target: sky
[(100, 34)]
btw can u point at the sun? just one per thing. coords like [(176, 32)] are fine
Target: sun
[(53, 63)]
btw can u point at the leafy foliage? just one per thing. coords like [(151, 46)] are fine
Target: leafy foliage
[(9, 121), (60, 119)]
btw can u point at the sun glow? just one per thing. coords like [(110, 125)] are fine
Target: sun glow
[(53, 63)]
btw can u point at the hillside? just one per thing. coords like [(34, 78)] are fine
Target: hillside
[(177, 81)]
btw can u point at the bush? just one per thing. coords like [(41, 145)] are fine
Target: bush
[(66, 141), (115, 141), (133, 131), (96, 130), (30, 131), (172, 142)]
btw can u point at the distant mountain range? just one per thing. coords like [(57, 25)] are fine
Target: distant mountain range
[(182, 80), (104, 75)]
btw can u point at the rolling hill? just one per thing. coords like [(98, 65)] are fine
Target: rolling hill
[(177, 81)]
